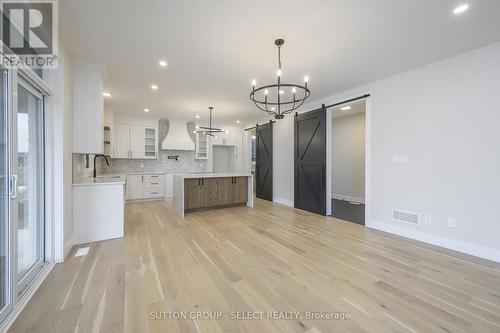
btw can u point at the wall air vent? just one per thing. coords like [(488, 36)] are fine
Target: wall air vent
[(401, 216)]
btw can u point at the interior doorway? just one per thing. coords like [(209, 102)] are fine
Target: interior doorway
[(348, 144)]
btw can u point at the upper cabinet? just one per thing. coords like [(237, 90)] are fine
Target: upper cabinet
[(202, 146), (87, 87), (135, 141)]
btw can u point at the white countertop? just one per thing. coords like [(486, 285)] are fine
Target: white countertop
[(107, 180), (212, 175)]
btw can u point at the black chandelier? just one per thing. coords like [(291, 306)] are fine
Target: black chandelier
[(283, 102), (209, 130)]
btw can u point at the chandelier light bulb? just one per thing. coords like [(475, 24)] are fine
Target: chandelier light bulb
[(273, 108), (281, 92), (254, 82), (294, 90), (306, 79), (197, 126), (278, 72), (266, 92)]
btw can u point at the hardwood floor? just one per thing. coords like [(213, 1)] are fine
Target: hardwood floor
[(270, 258)]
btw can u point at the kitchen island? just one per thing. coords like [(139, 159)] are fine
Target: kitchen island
[(199, 191)]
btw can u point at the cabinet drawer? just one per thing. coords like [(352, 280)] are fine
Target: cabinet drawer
[(154, 184), (154, 178), (154, 193)]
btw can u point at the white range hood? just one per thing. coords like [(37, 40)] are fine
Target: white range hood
[(178, 137)]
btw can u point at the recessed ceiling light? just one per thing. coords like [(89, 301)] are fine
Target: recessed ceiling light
[(197, 117), (237, 121), (346, 108), (162, 63), (154, 87), (460, 9), (106, 94), (146, 110)]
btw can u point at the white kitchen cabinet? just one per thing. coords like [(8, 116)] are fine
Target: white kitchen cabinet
[(201, 149), (150, 142), (87, 104), (122, 141), (135, 187), (135, 141), (146, 187)]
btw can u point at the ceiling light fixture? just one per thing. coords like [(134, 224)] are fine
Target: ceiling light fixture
[(209, 130), (154, 87), (106, 94), (162, 63), (346, 108), (197, 116), (460, 9), (237, 121), (285, 104), (146, 110)]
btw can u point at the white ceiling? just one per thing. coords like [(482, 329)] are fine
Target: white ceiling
[(215, 48)]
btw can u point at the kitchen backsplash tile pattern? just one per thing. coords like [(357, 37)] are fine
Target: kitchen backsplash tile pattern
[(79, 168), (185, 163)]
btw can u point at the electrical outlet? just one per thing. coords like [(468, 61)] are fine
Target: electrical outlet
[(427, 219), (452, 222)]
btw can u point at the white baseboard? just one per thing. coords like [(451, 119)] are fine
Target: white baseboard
[(284, 202), (448, 243), (348, 198), (68, 246)]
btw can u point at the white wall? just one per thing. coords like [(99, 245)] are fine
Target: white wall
[(59, 81), (445, 116), (348, 157)]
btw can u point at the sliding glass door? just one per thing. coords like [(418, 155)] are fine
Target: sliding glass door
[(29, 161), (22, 212), (5, 225)]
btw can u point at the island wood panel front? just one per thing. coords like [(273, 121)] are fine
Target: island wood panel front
[(192, 193), (214, 192)]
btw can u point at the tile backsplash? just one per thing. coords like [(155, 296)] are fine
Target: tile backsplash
[(185, 163), (80, 171)]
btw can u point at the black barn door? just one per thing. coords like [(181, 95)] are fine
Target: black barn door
[(264, 163), (310, 161)]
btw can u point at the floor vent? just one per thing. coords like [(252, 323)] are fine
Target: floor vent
[(400, 216), (83, 251)]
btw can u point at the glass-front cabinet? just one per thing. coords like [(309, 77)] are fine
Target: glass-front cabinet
[(202, 145), (150, 142)]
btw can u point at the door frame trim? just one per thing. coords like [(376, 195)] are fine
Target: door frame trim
[(368, 146)]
